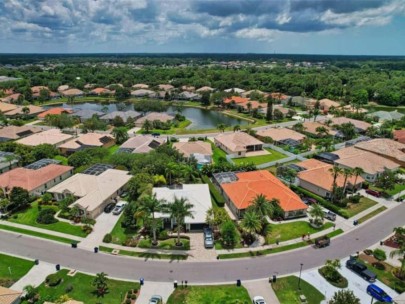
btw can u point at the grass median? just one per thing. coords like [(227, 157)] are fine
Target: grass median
[(147, 255), (372, 214)]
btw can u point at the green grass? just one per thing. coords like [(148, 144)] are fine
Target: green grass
[(169, 244), (63, 160), (217, 153), (273, 250), (113, 149), (364, 204), (371, 214), (219, 294), (120, 234), (83, 290), (398, 188), (292, 230), (18, 267), (37, 234), (287, 292), (261, 159), (29, 217), (147, 255)]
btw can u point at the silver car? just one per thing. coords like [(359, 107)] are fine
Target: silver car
[(156, 299), (209, 242), (119, 207), (259, 300)]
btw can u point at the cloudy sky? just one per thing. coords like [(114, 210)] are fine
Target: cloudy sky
[(369, 27)]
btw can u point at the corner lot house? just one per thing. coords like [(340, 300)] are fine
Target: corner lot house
[(141, 144), (239, 190), (196, 194), (9, 296), (93, 192), (35, 181), (384, 147), (238, 143), (16, 132), (281, 136), (317, 178), (88, 140), (162, 117), (200, 150), (53, 137)]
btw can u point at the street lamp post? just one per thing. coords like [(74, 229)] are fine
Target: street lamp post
[(299, 278)]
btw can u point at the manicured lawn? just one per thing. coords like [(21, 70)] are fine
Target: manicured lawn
[(287, 292), (113, 149), (83, 290), (261, 159), (220, 294), (18, 267), (147, 255), (398, 188), (29, 217), (169, 244), (217, 153), (293, 230), (365, 203), (120, 234), (37, 234), (63, 160), (371, 214)]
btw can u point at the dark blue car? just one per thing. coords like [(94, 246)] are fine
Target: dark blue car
[(378, 294)]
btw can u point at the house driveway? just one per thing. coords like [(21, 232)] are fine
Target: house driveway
[(261, 288), (150, 289), (356, 284), (105, 222)]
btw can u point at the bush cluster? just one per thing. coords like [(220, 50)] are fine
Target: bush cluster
[(53, 280), (46, 216)]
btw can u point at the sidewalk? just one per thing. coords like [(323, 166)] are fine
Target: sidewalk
[(36, 276)]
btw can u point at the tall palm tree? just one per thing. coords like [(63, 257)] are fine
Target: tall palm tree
[(299, 127), (221, 127), (101, 283), (249, 106), (262, 206), (335, 171), (347, 172), (400, 252), (251, 222), (120, 134), (171, 170), (322, 131), (317, 213), (150, 205), (236, 128), (178, 210), (357, 171)]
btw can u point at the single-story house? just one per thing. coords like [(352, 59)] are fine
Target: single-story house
[(140, 86), (186, 95), (143, 93), (101, 91), (19, 111), (200, 150), (318, 179), (87, 114), (53, 137), (248, 93), (385, 115), (372, 164), (325, 104), (16, 132), (63, 87), (196, 194), (235, 90), (238, 143), (54, 111), (165, 87), (281, 135), (351, 109), (35, 181), (239, 190), (72, 93), (236, 99), (188, 88), (7, 107), (123, 114), (399, 136), (205, 89), (152, 116), (141, 144), (385, 147), (310, 127), (9, 296), (8, 161), (93, 192), (88, 140), (11, 98), (361, 126)]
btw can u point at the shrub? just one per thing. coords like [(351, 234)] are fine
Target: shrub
[(53, 280), (87, 229), (46, 216), (69, 288), (107, 238), (163, 235), (133, 297), (368, 252), (333, 277), (379, 254), (128, 301), (219, 199), (379, 266)]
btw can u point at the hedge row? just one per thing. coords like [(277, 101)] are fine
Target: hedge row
[(219, 199), (320, 200)]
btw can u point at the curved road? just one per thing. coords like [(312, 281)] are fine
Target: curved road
[(204, 272)]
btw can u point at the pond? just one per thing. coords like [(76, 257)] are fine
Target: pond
[(200, 118)]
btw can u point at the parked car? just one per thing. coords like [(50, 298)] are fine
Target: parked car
[(309, 200), (208, 232), (109, 208), (378, 294), (373, 193), (156, 299), (119, 207), (258, 300), (361, 270), (208, 242), (322, 241), (330, 215)]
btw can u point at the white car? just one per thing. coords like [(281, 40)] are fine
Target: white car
[(259, 300), (119, 207), (156, 299)]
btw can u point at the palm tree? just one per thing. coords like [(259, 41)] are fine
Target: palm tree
[(171, 169), (147, 126), (236, 128), (101, 283), (262, 206), (221, 127), (120, 134), (249, 106), (322, 131), (179, 210), (150, 205), (299, 127), (30, 292), (317, 213), (25, 110), (316, 112), (400, 252), (347, 172), (335, 171), (251, 222), (357, 171)]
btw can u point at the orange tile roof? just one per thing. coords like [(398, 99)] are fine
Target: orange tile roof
[(55, 111), (399, 135), (250, 184), (236, 99), (31, 179)]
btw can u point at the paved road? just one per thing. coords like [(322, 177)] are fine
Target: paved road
[(205, 272)]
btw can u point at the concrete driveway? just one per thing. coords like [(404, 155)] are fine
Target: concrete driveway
[(356, 283)]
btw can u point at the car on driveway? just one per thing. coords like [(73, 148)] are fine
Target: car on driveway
[(330, 215), (258, 300), (109, 208), (373, 193), (361, 270), (208, 242), (378, 294), (156, 299), (119, 207), (309, 200), (208, 232)]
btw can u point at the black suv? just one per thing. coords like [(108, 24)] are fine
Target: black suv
[(361, 270)]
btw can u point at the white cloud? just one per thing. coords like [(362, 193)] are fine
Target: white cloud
[(260, 34)]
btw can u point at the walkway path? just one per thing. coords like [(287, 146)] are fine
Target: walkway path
[(35, 276), (261, 288), (155, 288)]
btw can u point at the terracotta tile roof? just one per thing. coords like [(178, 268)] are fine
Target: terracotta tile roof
[(140, 86), (51, 136), (165, 87), (362, 125), (33, 110), (63, 87), (193, 147), (385, 147), (188, 88), (8, 296), (11, 98), (237, 141), (278, 134), (72, 92), (250, 184), (311, 163), (31, 179), (6, 107), (399, 135), (15, 132), (236, 99), (142, 143), (327, 103), (278, 96), (87, 140), (311, 126), (37, 89), (55, 111), (99, 91), (155, 116), (205, 89)]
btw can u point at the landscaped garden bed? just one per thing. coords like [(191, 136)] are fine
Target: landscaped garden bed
[(169, 244)]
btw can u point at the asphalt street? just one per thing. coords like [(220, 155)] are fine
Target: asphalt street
[(204, 272)]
